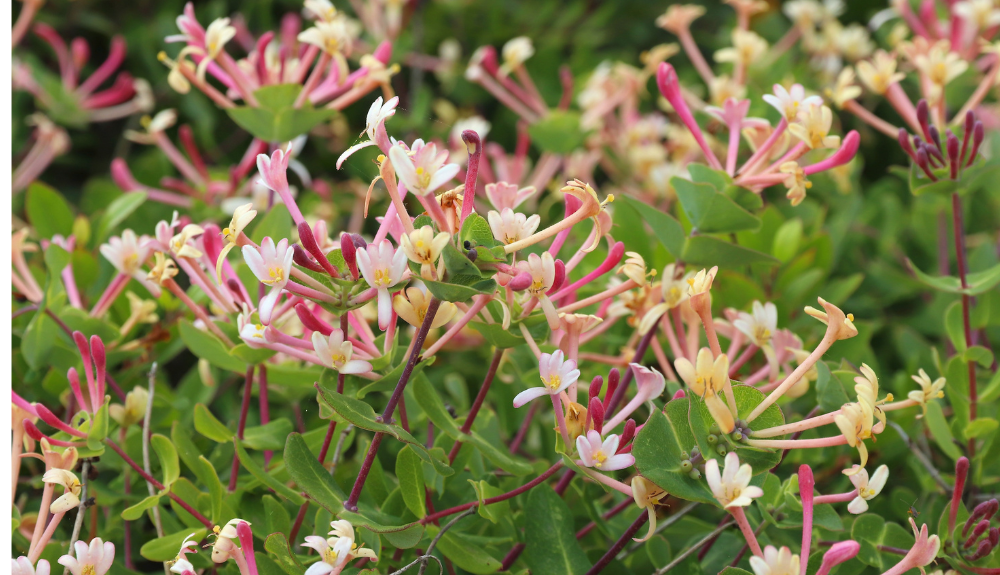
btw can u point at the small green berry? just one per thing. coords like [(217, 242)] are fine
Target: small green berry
[(686, 465), (695, 474), (684, 455), (721, 449), (737, 436), (712, 439), (714, 428)]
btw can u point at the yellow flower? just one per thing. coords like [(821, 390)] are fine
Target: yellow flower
[(813, 127), (855, 421), (134, 409), (747, 48), (412, 307), (708, 379), (634, 268), (796, 182), (140, 311), (844, 90), (880, 73), (241, 218), (646, 495), (179, 243), (679, 17), (928, 390), (423, 247), (163, 270)]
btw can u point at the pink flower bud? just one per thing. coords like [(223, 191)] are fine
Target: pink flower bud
[(301, 258), (614, 376), (595, 387), (848, 148), (310, 321), (560, 277), (977, 532), (308, 240), (596, 414), (679, 394), (123, 176), (349, 252), (383, 52), (840, 552), (520, 282), (625, 441)]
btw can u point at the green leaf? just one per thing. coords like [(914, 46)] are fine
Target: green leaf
[(265, 477), (711, 211), (465, 553), (459, 265), (709, 250), (498, 337), (266, 565), (668, 230), (169, 461), (981, 426), (870, 531), (310, 476), (48, 213), (701, 173), (459, 293), (476, 230), (362, 415), (940, 430), (786, 240), (277, 120), (277, 547), (206, 424), (747, 398), (980, 355), (559, 132), (494, 511), (39, 338), (165, 548), (734, 571), (208, 347), (979, 282), (276, 224), (400, 533), (209, 477), (550, 539), (117, 211), (99, 428), (136, 511), (658, 452), (271, 435), (829, 390), (410, 473)]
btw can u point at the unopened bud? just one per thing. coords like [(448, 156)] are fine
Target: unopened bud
[(614, 376), (596, 414), (627, 435), (595, 387), (520, 282)]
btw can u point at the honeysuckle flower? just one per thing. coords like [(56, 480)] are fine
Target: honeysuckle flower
[(844, 322), (601, 455), (866, 386), (707, 379), (983, 13), (163, 269), (879, 74), (335, 352), (179, 244), (701, 282), (22, 566), (378, 113), (321, 9), (775, 562), (93, 559), (272, 264), (423, 168), (337, 550), (844, 89), (678, 17), (813, 127), (855, 421), (543, 274), (224, 548), (70, 499), (509, 226), (127, 254), (732, 488), (592, 207), (867, 488), (674, 289), (515, 52), (241, 218), (748, 47), (928, 390), (412, 303), (153, 125), (332, 36), (217, 35), (557, 374), (634, 268), (382, 267), (251, 333), (54, 459), (134, 408), (140, 311), (789, 102), (646, 495), (423, 247), (940, 65), (795, 182), (923, 552), (180, 564), (503, 195), (760, 325)]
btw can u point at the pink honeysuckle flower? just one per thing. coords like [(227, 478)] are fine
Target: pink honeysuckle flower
[(382, 267), (374, 127), (650, 384), (923, 552), (556, 372), (503, 195), (93, 559), (423, 168), (273, 175), (272, 265), (837, 554), (601, 455), (788, 102), (335, 352), (127, 254), (22, 566)]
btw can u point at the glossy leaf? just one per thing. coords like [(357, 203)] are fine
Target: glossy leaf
[(550, 541), (410, 473)]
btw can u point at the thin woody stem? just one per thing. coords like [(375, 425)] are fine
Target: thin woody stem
[(959, 233), (241, 426), (490, 500), (478, 403), (619, 544)]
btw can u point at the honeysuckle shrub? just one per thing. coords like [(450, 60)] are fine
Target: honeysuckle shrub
[(543, 287)]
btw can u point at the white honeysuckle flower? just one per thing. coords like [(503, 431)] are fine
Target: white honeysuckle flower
[(423, 247), (634, 268), (748, 47), (223, 548), (180, 564), (543, 274), (707, 378), (161, 121), (251, 333), (378, 113), (647, 495), (602, 454), (928, 390), (332, 37), (94, 558), (701, 282), (127, 254), (422, 168), (179, 244), (335, 352), (880, 73), (411, 305), (242, 217), (732, 488), (556, 373), (272, 264), (760, 325), (788, 102), (509, 226), (382, 267), (983, 13), (337, 550), (856, 421), (22, 566), (867, 488), (775, 562), (515, 52), (70, 499), (813, 127), (217, 35), (321, 9)]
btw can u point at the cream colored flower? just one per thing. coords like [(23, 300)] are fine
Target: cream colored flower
[(411, 304), (844, 323), (708, 379), (880, 73), (332, 37), (748, 47), (163, 270), (867, 488), (515, 52), (134, 408), (592, 207), (854, 42), (679, 17), (732, 488), (140, 311), (180, 245), (509, 226), (760, 325), (647, 495), (241, 218), (424, 247), (70, 499), (940, 65), (775, 562), (983, 13), (702, 281), (796, 182), (844, 90), (813, 127), (928, 390), (855, 421), (634, 268)]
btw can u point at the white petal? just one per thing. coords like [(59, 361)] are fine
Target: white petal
[(857, 506), (529, 394)]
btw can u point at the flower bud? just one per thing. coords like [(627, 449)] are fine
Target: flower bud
[(520, 282), (349, 251), (559, 278), (627, 435), (840, 552), (597, 414), (595, 387), (977, 532), (614, 376), (679, 394)]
